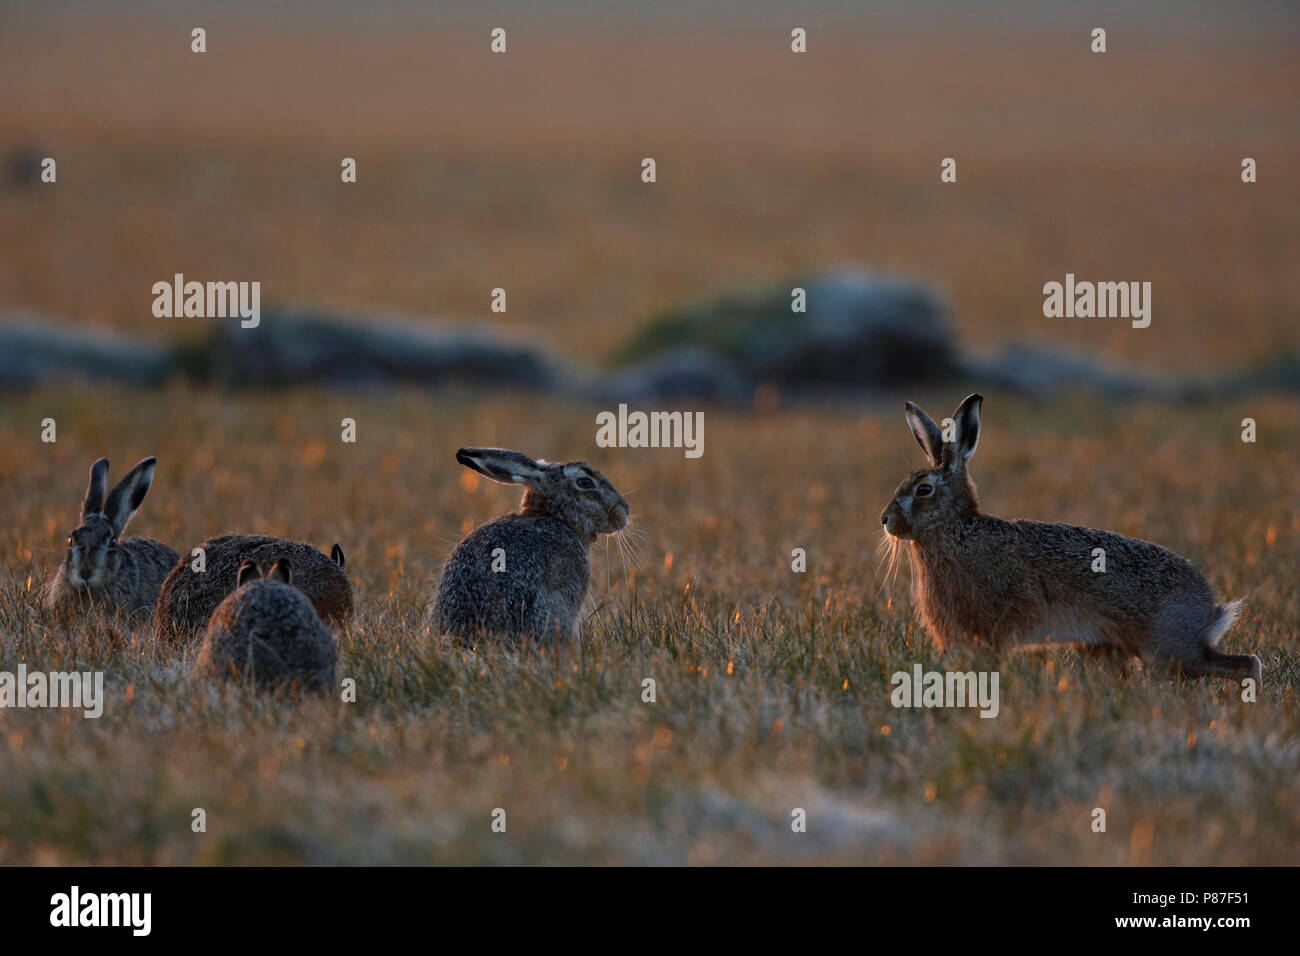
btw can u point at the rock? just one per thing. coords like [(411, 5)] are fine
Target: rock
[(1041, 370), (860, 330), (35, 351), (294, 346), (23, 166), (687, 372), (1278, 373)]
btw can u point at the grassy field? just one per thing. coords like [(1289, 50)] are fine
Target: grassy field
[(773, 686)]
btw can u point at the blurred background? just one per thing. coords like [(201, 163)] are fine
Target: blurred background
[(522, 171)]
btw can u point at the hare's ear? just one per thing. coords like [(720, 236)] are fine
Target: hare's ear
[(280, 571), (127, 496), (248, 571), (94, 503), (508, 467), (926, 431), (336, 555), (967, 417)]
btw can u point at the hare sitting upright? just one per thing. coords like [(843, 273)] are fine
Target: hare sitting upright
[(524, 575), (100, 567), (981, 578)]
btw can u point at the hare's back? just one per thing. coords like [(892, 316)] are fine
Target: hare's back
[(189, 597), (268, 631), (1071, 560), (534, 547), (514, 575), (152, 557)]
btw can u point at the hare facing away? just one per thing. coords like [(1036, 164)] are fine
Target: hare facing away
[(981, 578), (524, 575), (190, 595), (100, 567), (267, 631)]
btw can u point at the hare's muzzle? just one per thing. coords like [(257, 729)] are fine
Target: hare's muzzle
[(81, 565), (894, 521), (618, 516)]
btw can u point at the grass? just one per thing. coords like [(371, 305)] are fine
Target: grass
[(772, 686)]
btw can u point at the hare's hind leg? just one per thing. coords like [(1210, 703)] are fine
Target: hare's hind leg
[(1184, 636), (1214, 664)]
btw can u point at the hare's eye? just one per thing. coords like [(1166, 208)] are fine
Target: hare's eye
[(586, 483), (924, 490)]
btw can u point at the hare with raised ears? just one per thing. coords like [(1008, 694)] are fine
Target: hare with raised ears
[(525, 574), (102, 568), (983, 579), (266, 631)]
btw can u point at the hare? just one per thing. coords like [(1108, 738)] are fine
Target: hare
[(525, 574), (193, 590), (268, 632), (981, 578), (101, 568)]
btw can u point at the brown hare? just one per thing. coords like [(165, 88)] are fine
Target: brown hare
[(984, 579), (103, 568), (189, 597), (267, 631), (525, 574)]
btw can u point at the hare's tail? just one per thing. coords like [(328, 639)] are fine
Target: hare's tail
[(1225, 617), (1206, 661)]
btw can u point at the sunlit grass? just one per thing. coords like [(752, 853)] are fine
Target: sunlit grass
[(772, 687)]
